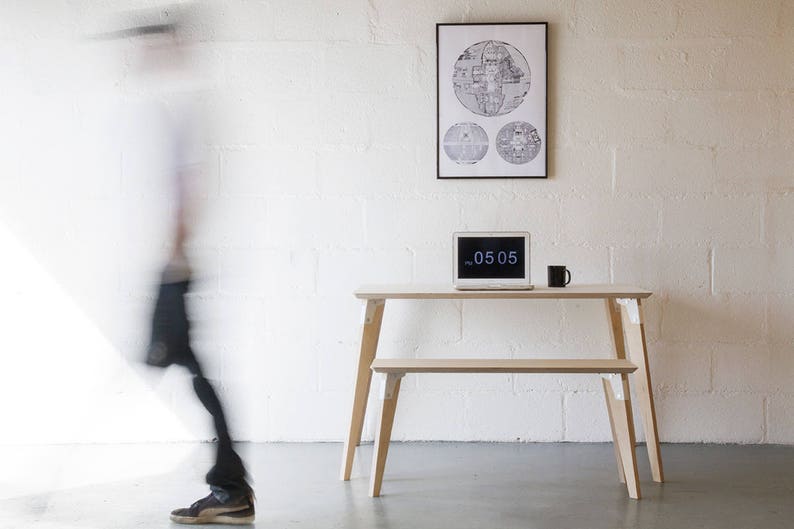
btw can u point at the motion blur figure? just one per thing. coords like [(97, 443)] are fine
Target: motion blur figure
[(169, 119)]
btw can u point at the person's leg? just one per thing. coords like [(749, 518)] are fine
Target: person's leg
[(231, 499), (228, 477), (169, 343)]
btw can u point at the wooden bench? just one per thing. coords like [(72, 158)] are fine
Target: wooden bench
[(616, 388)]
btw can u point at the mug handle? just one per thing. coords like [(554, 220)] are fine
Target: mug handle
[(568, 273)]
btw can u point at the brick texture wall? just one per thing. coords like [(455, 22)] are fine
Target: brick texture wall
[(671, 155)]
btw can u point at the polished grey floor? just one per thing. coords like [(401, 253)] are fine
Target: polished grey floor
[(427, 485)]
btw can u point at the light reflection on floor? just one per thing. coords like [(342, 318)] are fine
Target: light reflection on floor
[(33, 470)]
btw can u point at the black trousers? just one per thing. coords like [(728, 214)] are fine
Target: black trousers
[(170, 344)]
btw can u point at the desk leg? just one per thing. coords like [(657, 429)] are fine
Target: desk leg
[(373, 317), (616, 331), (634, 329), (623, 430)]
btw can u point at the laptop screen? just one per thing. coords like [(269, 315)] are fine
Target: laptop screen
[(491, 257)]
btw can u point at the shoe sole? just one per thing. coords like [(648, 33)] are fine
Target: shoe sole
[(210, 519)]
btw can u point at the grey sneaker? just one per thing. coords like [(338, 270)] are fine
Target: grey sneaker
[(210, 510)]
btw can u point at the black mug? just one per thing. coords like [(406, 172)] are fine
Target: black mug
[(559, 276)]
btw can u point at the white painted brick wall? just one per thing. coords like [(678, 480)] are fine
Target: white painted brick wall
[(671, 154)]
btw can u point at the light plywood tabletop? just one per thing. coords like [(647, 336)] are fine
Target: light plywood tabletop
[(438, 291)]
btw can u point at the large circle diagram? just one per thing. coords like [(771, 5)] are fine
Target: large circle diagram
[(518, 142), (465, 143), (491, 78)]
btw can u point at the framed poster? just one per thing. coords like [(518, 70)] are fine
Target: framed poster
[(491, 94)]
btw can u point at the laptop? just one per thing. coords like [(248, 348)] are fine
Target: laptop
[(491, 260)]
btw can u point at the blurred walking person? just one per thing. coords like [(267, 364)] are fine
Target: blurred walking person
[(171, 122)]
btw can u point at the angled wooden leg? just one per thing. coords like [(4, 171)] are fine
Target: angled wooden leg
[(373, 317), (616, 331), (383, 435), (620, 405), (634, 329), (615, 442)]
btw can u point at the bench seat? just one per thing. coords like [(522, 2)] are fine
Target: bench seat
[(466, 365)]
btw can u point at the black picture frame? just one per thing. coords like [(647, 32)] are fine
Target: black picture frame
[(474, 137)]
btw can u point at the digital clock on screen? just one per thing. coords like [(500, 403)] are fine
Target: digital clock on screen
[(491, 259), (483, 257)]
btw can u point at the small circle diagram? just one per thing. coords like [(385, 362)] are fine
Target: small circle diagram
[(491, 78), (518, 142), (465, 143)]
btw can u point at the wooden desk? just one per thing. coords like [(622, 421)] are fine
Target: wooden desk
[(625, 314)]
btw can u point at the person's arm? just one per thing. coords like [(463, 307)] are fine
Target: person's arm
[(185, 214)]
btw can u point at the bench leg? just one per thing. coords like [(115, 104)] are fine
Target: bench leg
[(623, 430), (373, 317), (610, 398), (383, 435), (632, 319)]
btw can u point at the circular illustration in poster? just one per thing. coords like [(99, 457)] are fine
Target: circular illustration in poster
[(491, 78), (465, 143), (518, 142)]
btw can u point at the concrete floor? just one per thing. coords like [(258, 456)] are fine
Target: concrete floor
[(427, 485)]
